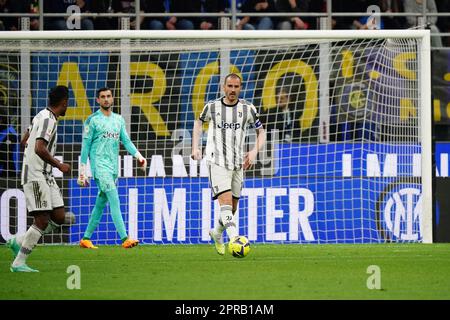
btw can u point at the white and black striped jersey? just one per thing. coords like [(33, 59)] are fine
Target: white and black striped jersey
[(43, 126), (228, 125)]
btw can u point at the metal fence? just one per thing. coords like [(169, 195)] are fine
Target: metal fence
[(234, 14)]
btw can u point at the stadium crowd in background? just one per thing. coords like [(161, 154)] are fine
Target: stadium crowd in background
[(172, 22), (283, 117), (62, 6)]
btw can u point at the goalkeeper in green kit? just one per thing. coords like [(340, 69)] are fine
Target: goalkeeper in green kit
[(103, 132)]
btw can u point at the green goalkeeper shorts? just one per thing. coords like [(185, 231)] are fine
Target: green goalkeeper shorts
[(106, 181)]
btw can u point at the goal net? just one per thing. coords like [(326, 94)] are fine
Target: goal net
[(347, 115)]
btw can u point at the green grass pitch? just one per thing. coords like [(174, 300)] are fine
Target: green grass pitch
[(191, 272)]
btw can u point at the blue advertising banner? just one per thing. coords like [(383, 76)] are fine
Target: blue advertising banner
[(334, 193)]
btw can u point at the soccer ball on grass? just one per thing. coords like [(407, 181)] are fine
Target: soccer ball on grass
[(239, 247)]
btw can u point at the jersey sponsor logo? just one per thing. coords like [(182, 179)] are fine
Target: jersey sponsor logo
[(229, 125), (111, 135)]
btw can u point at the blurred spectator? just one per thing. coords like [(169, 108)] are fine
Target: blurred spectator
[(9, 147), (289, 23), (282, 118), (259, 23), (352, 22), (104, 23), (239, 4), (18, 6), (416, 6), (316, 6), (61, 6), (34, 8), (339, 22), (369, 21), (129, 6), (443, 23), (183, 6), (155, 6), (6, 23), (392, 6), (212, 6)]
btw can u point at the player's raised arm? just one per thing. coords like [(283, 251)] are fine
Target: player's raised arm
[(131, 148)]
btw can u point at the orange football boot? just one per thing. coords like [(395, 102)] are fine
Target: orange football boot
[(86, 243), (130, 243)]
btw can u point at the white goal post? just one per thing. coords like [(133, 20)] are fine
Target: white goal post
[(348, 113)]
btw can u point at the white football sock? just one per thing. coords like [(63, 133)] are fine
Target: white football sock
[(30, 240), (19, 238), (227, 218), (51, 226), (219, 228)]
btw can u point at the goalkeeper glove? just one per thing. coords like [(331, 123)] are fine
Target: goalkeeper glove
[(83, 180), (142, 161)]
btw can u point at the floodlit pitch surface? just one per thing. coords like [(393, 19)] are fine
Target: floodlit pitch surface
[(285, 272)]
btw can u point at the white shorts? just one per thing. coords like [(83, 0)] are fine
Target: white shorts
[(222, 180), (43, 195)]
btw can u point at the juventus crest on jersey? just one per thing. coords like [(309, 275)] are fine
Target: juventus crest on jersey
[(43, 126), (227, 131)]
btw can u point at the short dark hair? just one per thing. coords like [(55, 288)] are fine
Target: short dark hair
[(101, 90), (232, 75), (58, 94)]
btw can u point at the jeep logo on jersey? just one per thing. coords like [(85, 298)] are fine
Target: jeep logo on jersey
[(111, 135), (229, 125), (403, 214)]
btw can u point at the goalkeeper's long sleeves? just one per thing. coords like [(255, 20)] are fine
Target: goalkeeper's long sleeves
[(101, 142)]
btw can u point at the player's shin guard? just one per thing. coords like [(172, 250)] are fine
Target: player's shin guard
[(96, 215), (114, 203), (228, 223), (30, 240)]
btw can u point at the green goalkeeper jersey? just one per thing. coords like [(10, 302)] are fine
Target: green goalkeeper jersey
[(101, 143)]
